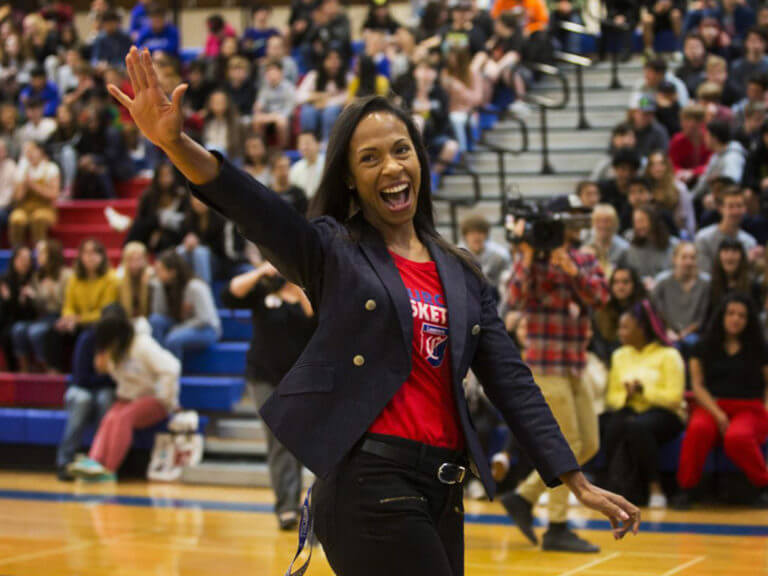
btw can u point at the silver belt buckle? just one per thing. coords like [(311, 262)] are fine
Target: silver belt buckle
[(445, 468)]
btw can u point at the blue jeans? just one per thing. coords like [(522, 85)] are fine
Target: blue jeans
[(179, 338), (29, 338), (82, 404), (319, 121), (200, 260)]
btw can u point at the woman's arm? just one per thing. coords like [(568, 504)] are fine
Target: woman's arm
[(166, 369), (284, 236), (667, 392)]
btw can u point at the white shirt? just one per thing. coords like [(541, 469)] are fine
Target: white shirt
[(39, 133), (307, 176), (7, 181)]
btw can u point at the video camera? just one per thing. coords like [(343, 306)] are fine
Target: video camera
[(544, 226)]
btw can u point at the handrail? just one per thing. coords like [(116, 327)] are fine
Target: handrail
[(579, 62), (547, 103), (500, 150), (460, 167)]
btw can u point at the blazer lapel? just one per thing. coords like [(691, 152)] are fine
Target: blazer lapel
[(376, 251), (451, 273)]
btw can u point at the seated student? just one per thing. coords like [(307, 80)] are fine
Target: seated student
[(280, 168), (659, 17), (754, 62), (184, 315), (668, 108), (639, 194), (464, 85), (38, 185), (755, 178), (49, 283), (654, 76), (147, 390), (754, 98), (587, 195), (691, 71), (277, 51), (203, 243), (650, 244), (626, 289), (308, 171), (669, 193), (322, 94), (622, 137), (626, 164), (92, 287), (494, 260), (681, 295), (158, 35), (256, 36), (717, 73), (222, 129), (160, 216), (273, 109), (40, 88), (428, 102), (367, 80), (730, 273), (729, 373), (111, 44), (17, 304), (239, 85), (37, 127), (731, 205), (283, 322), (727, 160), (650, 134), (688, 149), (603, 239), (644, 400), (135, 292), (218, 30)]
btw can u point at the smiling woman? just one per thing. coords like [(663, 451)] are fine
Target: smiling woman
[(375, 406)]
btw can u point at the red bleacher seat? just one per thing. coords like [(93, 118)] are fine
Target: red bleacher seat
[(132, 188), (92, 211), (71, 235)]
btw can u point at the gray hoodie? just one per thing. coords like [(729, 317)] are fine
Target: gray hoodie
[(726, 164)]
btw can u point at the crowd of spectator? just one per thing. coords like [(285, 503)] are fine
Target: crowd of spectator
[(679, 203)]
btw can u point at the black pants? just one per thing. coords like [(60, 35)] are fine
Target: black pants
[(640, 435), (375, 517)]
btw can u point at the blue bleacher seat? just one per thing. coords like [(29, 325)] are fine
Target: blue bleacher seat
[(209, 393), (190, 54), (223, 358), (5, 259), (45, 428), (236, 325)]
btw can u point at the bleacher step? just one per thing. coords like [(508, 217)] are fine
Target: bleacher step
[(240, 429), (254, 475), (235, 446)]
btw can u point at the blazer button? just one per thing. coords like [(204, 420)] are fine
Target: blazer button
[(358, 360), (370, 305), (475, 329)]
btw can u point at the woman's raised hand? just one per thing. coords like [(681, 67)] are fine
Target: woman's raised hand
[(159, 118)]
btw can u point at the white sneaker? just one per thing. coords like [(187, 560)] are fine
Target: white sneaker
[(657, 501), (520, 108), (117, 221)]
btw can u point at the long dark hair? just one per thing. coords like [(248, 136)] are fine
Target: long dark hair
[(367, 74), (55, 263), (16, 280), (114, 332), (720, 286), (174, 290), (80, 270), (154, 193), (335, 199), (658, 234), (649, 321), (607, 317), (751, 338), (322, 75)]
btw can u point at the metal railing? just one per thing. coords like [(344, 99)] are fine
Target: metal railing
[(548, 103), (460, 167), (579, 63)]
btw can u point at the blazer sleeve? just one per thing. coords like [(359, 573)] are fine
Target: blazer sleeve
[(292, 244), (509, 385)]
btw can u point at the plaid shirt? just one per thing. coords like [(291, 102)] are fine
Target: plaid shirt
[(556, 307)]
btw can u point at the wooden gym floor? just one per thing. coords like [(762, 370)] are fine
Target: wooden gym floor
[(53, 529)]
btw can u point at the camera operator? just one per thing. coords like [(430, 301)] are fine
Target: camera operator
[(555, 287)]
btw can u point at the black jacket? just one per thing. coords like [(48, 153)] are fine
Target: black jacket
[(360, 353)]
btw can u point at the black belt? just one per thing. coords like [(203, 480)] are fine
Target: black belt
[(442, 463)]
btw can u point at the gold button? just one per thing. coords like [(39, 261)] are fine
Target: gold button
[(465, 382), (370, 305), (358, 360), (475, 329)]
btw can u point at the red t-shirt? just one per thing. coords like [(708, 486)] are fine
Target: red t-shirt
[(423, 409)]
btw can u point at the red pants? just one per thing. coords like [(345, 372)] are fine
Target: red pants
[(743, 441), (115, 435)]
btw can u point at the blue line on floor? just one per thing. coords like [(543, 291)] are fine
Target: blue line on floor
[(486, 519)]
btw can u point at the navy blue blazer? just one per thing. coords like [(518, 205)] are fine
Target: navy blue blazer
[(360, 353)]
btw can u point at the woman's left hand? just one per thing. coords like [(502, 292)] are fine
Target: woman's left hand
[(622, 514)]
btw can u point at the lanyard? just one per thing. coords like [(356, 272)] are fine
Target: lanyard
[(306, 536)]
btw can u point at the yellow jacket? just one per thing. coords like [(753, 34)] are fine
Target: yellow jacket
[(85, 298), (658, 368)]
